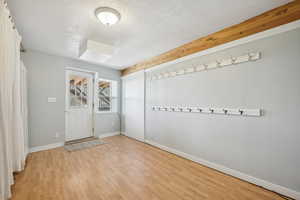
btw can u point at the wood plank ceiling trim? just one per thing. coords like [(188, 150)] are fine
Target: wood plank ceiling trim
[(279, 16)]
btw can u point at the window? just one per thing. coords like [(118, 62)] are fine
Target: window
[(78, 91), (107, 100)]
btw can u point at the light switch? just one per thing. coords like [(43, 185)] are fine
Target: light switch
[(51, 100)]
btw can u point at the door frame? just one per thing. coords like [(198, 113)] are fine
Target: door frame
[(94, 82)]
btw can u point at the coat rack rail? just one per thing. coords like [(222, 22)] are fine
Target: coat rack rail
[(211, 110)]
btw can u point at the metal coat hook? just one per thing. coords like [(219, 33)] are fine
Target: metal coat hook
[(249, 56), (225, 111), (211, 110), (233, 59), (241, 111)]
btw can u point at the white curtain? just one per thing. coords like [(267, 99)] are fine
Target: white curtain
[(13, 104), (24, 111)]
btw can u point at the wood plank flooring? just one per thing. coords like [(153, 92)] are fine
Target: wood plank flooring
[(124, 169)]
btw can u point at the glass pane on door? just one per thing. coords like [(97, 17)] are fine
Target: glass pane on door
[(78, 91), (84, 93)]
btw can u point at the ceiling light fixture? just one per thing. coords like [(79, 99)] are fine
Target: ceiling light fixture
[(107, 16)]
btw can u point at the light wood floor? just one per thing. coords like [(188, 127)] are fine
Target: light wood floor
[(125, 169)]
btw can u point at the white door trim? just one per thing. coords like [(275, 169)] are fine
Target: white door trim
[(81, 70), (95, 77)]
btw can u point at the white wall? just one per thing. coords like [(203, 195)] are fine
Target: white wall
[(46, 78), (265, 147)]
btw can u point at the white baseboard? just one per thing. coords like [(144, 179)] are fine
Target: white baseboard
[(123, 133), (60, 144), (109, 134), (46, 147), (270, 186), (137, 139)]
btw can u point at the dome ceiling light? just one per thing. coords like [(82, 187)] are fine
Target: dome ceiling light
[(107, 16)]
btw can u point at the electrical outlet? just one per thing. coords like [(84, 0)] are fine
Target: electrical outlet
[(57, 135)]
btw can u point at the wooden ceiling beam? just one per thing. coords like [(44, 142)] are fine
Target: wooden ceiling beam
[(282, 15)]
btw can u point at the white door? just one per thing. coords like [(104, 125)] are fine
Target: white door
[(134, 105), (79, 105)]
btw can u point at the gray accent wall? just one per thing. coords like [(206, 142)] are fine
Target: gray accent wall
[(46, 78), (265, 147)]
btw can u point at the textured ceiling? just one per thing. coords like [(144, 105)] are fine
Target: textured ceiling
[(147, 27)]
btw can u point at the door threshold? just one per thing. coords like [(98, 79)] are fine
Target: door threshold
[(81, 140)]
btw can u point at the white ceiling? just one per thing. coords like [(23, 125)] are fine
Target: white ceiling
[(147, 27)]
